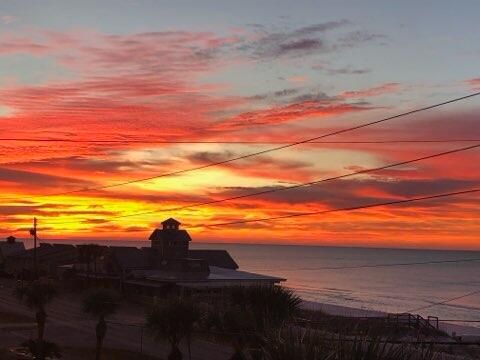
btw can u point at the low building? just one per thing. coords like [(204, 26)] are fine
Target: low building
[(8, 248), (168, 263), (44, 260)]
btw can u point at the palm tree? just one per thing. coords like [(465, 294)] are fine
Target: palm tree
[(250, 314), (96, 252), (174, 320), (89, 253), (234, 326), (100, 303), (272, 306), (36, 296)]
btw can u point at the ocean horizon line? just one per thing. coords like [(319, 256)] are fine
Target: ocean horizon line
[(82, 240)]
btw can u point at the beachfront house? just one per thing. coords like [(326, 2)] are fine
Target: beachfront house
[(8, 248), (168, 263), (42, 261)]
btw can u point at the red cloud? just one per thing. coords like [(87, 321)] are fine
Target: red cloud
[(127, 83), (296, 111), (373, 91)]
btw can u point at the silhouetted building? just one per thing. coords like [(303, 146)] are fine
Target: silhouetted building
[(170, 241), (167, 263), (49, 257), (8, 248), (218, 258)]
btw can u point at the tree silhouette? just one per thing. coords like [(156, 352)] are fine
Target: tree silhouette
[(250, 314), (233, 326), (174, 320), (100, 303), (87, 254), (36, 295), (271, 306)]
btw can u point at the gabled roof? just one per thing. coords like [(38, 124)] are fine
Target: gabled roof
[(68, 247), (171, 221), (169, 235), (46, 250), (7, 248), (129, 257), (218, 258)]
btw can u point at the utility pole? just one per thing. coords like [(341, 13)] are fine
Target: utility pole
[(34, 233)]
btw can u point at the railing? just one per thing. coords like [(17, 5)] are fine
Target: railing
[(402, 319), (416, 321)]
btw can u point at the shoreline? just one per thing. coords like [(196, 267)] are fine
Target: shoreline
[(339, 310)]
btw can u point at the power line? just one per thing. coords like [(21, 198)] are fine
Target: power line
[(445, 301), (360, 207), (374, 265), (365, 171), (337, 132), (237, 222), (234, 142)]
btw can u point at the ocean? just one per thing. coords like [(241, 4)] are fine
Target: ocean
[(391, 289), (310, 272)]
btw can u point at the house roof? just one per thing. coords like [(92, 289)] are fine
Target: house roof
[(41, 250), (129, 257), (217, 275), (7, 249), (169, 235), (218, 258), (171, 221), (68, 247), (45, 250)]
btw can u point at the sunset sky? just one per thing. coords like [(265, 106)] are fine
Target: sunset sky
[(140, 72)]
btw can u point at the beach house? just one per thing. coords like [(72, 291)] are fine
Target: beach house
[(168, 263)]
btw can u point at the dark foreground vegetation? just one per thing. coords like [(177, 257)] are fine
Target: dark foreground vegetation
[(256, 323)]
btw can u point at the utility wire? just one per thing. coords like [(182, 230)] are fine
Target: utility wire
[(445, 301), (366, 171), (337, 132), (373, 265), (360, 207), (234, 142), (246, 221)]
